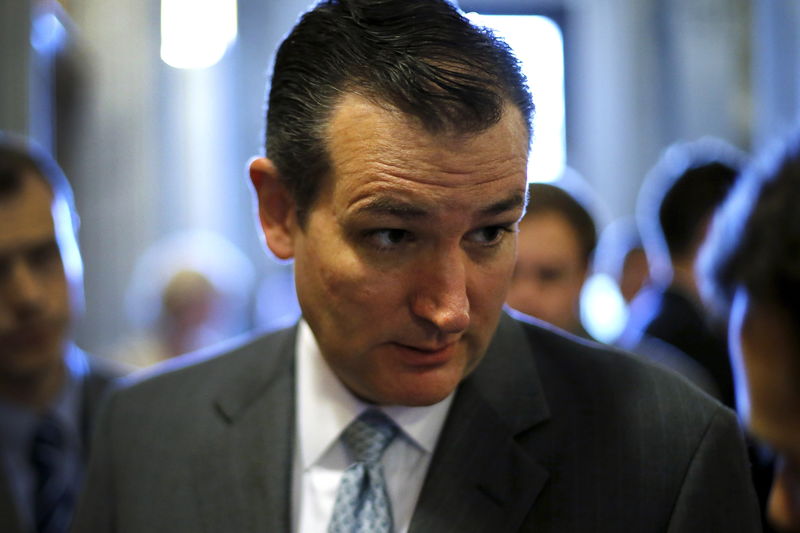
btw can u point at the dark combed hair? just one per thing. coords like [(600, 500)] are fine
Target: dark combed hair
[(545, 198), (14, 164), (18, 156), (681, 193), (421, 57), (755, 238), (690, 201)]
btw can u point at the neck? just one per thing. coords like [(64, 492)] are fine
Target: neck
[(684, 279), (36, 391)]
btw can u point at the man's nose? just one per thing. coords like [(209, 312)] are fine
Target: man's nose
[(441, 294), (23, 288), (784, 499)]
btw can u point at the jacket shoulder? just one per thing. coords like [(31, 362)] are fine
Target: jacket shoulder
[(624, 430), (193, 379), (613, 380)]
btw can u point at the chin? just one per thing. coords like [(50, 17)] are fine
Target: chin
[(421, 394)]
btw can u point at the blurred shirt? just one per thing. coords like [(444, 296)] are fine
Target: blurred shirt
[(17, 426)]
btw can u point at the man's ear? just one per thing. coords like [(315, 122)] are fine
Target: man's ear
[(276, 208)]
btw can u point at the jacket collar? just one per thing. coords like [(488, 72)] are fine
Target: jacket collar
[(243, 468), (481, 477)]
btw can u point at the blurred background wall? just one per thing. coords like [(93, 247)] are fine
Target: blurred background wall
[(153, 150)]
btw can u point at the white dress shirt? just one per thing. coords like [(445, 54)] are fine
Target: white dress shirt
[(324, 409), (18, 425)]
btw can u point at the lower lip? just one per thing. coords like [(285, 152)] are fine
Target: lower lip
[(425, 358), (28, 338)]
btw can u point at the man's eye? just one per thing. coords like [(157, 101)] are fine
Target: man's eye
[(489, 235), (44, 256), (388, 238)]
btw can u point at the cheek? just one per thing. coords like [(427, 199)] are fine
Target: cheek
[(344, 284), (771, 392), (499, 275), (575, 293), (61, 289), (59, 294), (488, 289), (784, 499)]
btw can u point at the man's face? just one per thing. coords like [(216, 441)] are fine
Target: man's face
[(766, 360), (404, 261), (550, 271), (34, 293)]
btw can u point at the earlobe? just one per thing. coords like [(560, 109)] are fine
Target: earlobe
[(276, 208)]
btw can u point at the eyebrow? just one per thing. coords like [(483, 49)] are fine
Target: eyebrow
[(384, 205), (403, 209), (515, 201), (30, 246)]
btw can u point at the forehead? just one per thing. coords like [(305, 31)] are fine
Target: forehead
[(549, 230), (25, 215), (379, 146), (551, 221)]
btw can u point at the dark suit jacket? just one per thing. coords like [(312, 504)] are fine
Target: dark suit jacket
[(669, 315), (95, 384), (547, 435)]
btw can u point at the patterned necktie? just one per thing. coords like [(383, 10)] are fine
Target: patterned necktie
[(53, 495), (362, 505)]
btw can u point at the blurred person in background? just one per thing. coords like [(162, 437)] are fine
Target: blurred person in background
[(554, 248), (620, 254), (49, 388), (276, 305), (674, 209), (188, 291), (749, 272)]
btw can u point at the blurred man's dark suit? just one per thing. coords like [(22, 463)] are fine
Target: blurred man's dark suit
[(671, 316), (547, 435), (96, 381)]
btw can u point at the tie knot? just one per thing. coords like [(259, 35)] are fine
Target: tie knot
[(48, 434), (368, 436)]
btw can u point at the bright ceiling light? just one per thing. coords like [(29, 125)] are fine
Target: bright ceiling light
[(538, 44), (196, 33)]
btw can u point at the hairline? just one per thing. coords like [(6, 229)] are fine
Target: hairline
[(322, 128)]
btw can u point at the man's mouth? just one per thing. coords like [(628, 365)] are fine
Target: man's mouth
[(29, 335), (426, 355)]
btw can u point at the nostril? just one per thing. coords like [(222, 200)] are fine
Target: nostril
[(441, 296), (446, 316)]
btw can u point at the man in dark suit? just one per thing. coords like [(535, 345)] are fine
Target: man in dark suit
[(49, 389), (674, 210), (405, 399)]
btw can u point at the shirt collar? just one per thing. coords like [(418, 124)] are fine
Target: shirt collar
[(19, 421), (325, 407)]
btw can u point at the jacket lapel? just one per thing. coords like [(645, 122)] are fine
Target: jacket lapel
[(481, 478), (243, 467), (96, 383)]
